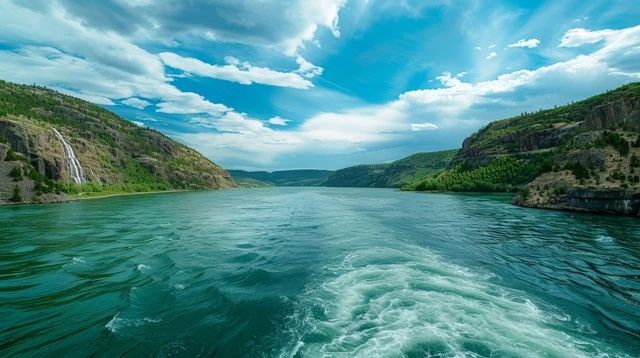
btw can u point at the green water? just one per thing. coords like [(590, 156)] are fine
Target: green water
[(316, 272)]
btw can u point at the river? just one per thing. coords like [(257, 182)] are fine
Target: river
[(307, 272)]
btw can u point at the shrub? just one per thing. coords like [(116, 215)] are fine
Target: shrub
[(16, 173), (11, 156), (616, 141), (579, 171), (17, 195)]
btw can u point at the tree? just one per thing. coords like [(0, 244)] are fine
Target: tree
[(17, 196), (16, 173)]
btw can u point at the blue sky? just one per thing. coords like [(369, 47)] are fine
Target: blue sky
[(283, 84)]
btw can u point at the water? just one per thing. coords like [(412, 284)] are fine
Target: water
[(73, 164), (306, 272)]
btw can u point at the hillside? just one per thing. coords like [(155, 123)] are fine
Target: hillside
[(301, 177), (391, 175), (53, 145), (582, 156)]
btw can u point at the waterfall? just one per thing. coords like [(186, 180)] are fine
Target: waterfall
[(73, 164)]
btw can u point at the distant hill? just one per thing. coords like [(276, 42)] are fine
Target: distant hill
[(582, 156), (391, 175), (301, 177), (52, 145)]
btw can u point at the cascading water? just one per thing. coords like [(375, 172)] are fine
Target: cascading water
[(73, 164)]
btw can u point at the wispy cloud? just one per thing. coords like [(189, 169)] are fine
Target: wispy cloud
[(243, 72)]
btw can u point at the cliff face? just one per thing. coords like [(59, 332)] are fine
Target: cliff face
[(111, 153), (584, 156)]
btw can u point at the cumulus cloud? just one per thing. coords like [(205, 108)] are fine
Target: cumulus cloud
[(578, 37), (94, 65), (136, 103), (492, 55), (530, 43), (243, 72), (241, 21), (278, 121)]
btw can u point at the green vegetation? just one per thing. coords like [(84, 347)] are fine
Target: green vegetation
[(504, 174), (301, 177), (16, 173), (616, 141), (17, 195), (394, 174)]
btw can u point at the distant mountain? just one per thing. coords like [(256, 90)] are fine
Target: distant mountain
[(582, 156), (391, 175), (301, 177), (52, 145)]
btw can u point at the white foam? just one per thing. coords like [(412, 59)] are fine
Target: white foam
[(143, 267), (116, 322), (416, 302)]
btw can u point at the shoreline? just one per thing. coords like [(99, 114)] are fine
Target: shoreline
[(91, 197)]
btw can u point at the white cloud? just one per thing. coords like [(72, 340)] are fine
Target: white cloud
[(139, 124), (492, 46), (456, 106), (478, 48), (190, 103), (492, 55), (241, 21), (94, 65), (578, 37), (423, 126), (278, 121), (308, 69), (136, 103), (243, 72), (530, 43)]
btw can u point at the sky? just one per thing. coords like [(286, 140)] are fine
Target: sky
[(285, 84)]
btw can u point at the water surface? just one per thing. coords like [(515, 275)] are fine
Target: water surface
[(316, 272)]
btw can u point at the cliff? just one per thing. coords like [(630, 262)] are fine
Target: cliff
[(584, 156), (53, 145)]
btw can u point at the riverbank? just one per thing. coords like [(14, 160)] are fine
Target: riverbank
[(65, 198)]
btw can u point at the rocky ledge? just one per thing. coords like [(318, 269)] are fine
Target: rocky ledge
[(605, 201)]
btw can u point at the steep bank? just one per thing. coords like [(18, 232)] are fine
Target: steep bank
[(584, 156), (53, 145), (391, 175)]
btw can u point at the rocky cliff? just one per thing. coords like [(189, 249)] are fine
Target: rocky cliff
[(52, 145), (583, 156)]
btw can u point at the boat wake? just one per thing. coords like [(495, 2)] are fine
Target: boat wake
[(387, 302)]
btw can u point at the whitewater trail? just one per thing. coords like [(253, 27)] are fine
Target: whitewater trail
[(73, 164)]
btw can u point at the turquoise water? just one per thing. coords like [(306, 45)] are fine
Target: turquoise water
[(316, 272)]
